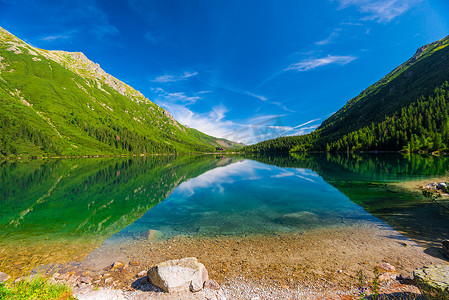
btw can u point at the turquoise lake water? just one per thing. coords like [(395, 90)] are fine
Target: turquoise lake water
[(249, 197), (76, 200)]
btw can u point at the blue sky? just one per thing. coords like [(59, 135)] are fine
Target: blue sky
[(243, 70)]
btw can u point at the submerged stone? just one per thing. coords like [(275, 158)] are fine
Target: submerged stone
[(150, 235), (116, 265), (300, 217), (134, 263), (433, 281)]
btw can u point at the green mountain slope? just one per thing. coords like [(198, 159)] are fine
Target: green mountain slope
[(406, 110), (60, 103), (418, 76)]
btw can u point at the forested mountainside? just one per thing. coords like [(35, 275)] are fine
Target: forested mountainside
[(406, 110), (56, 103)]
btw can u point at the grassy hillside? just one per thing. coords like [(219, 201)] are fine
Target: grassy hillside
[(418, 76), (422, 126), (60, 103), (406, 110)]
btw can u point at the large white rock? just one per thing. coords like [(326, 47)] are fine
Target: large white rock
[(179, 275), (433, 281)]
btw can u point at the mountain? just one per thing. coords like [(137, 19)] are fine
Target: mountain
[(57, 103), (406, 110)]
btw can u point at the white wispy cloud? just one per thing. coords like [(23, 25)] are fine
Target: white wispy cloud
[(171, 77), (313, 63), (265, 99), (304, 130), (265, 127), (287, 128), (331, 38), (215, 122), (182, 98), (218, 113), (308, 122), (382, 11), (212, 122), (265, 119), (176, 97), (51, 38), (260, 97), (253, 95), (296, 130)]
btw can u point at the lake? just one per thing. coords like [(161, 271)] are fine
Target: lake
[(61, 210)]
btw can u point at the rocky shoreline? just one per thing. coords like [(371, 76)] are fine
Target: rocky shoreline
[(316, 264), (439, 188), (148, 285), (188, 279)]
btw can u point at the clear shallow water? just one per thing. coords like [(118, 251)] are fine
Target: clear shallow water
[(80, 200), (72, 199), (249, 197)]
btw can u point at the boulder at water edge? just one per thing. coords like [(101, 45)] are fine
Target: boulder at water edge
[(446, 247), (179, 275), (433, 281), (441, 185)]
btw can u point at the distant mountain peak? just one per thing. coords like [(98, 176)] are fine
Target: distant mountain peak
[(75, 61), (81, 65), (62, 103)]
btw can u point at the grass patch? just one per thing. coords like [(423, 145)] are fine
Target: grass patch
[(36, 288)]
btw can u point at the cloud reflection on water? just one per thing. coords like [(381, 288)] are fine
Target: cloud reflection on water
[(214, 179)]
